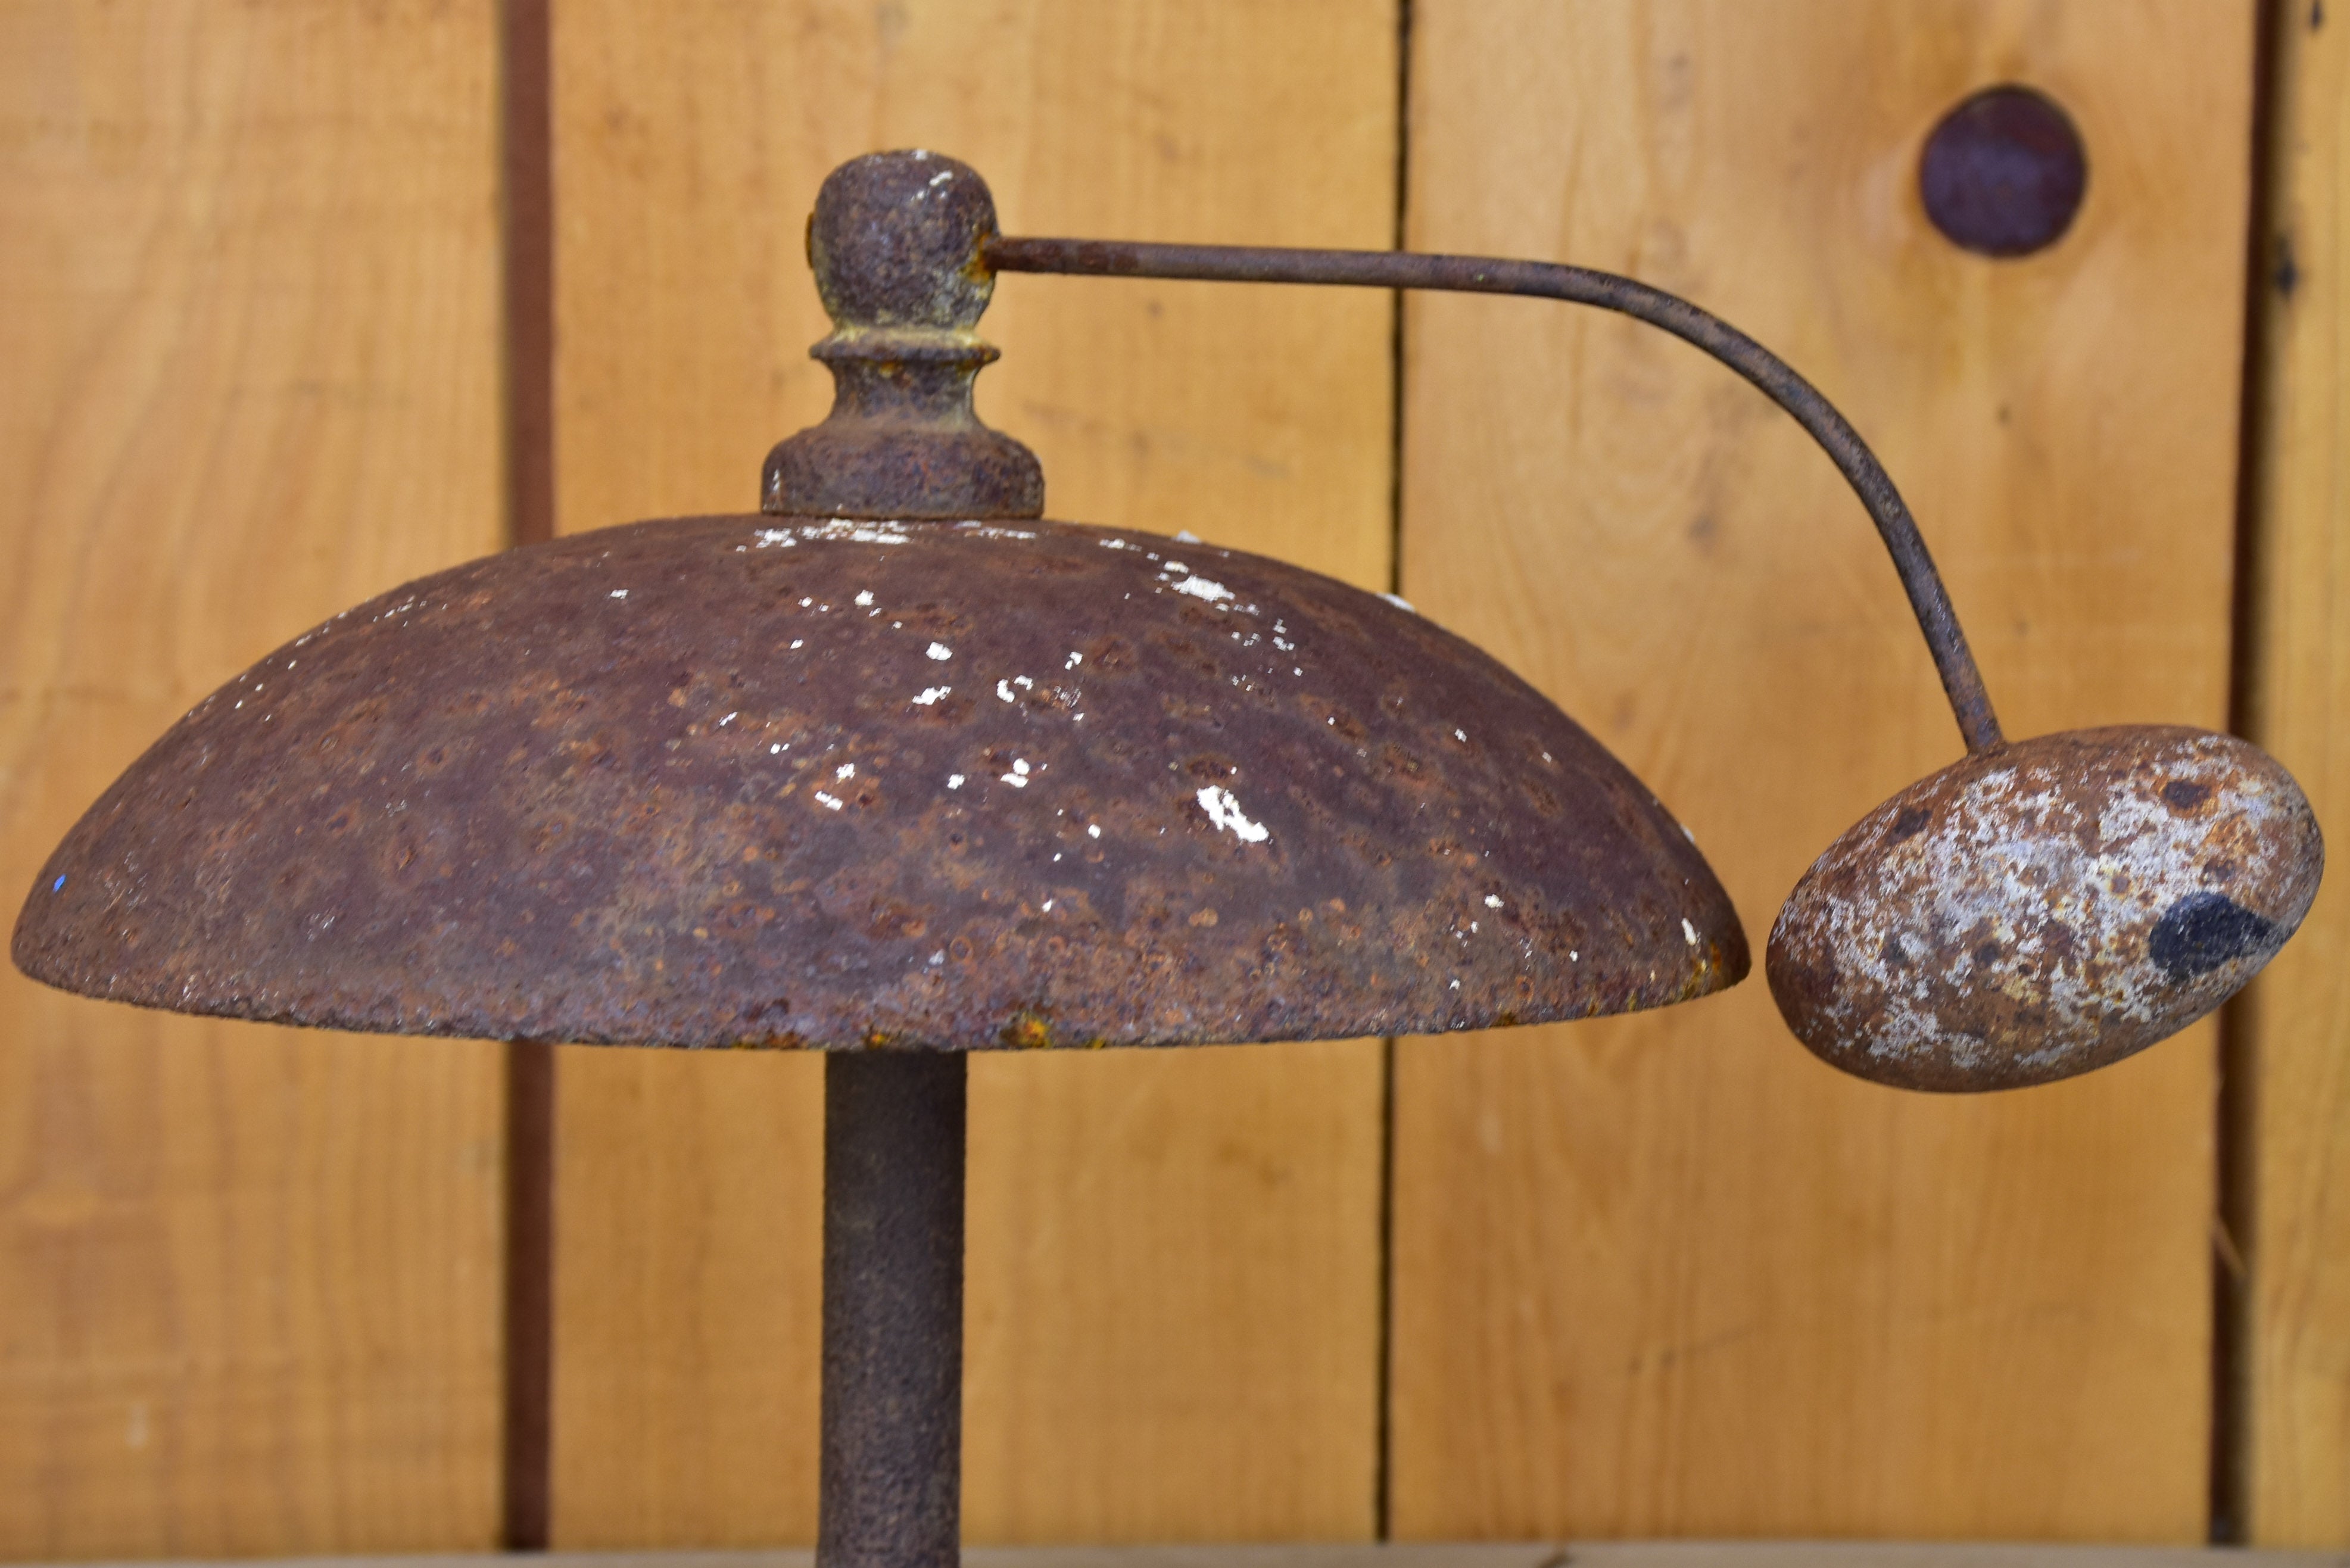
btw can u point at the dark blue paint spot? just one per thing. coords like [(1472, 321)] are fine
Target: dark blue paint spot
[(58, 886), (2204, 930)]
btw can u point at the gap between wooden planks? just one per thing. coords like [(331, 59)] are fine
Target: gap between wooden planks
[(2290, 1057)]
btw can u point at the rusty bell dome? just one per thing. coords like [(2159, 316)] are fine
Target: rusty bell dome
[(890, 763), (796, 781)]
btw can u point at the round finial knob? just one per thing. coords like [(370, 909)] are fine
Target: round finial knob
[(895, 242)]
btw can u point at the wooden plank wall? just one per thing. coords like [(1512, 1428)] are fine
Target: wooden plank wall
[(249, 317), (1667, 1275), (1654, 1277), (2291, 1057)]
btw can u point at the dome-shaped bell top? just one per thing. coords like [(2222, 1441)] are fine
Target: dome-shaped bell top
[(785, 780)]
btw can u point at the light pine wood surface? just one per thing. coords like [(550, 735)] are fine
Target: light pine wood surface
[(1668, 1275), (1480, 1555), (1655, 1276), (1173, 1300), (248, 350), (2292, 1044)]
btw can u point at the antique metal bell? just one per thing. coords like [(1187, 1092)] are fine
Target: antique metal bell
[(896, 769)]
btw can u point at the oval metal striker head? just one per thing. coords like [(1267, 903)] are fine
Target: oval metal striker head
[(2040, 909), (786, 781)]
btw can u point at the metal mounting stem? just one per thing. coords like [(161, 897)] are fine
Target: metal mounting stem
[(889, 1478), (1581, 286)]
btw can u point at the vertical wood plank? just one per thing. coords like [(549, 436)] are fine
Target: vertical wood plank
[(1667, 1274), (1173, 1299), (248, 286), (2292, 1036)]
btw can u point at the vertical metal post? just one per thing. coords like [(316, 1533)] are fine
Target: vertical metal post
[(889, 1478)]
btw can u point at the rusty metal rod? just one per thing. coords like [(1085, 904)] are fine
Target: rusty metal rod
[(888, 1474), (1961, 681)]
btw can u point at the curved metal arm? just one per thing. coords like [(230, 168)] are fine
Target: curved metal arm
[(1581, 286)]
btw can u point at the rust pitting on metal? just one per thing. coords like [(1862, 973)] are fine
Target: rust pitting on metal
[(2043, 909), (880, 783)]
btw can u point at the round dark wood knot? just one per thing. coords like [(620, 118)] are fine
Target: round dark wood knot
[(2004, 173)]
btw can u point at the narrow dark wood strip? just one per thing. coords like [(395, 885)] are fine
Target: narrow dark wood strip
[(529, 200), (2235, 1225), (1382, 1436), (527, 184)]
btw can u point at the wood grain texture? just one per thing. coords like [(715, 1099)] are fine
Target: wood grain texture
[(248, 285), (2292, 1036), (1173, 1259), (1456, 1555), (1668, 1275)]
